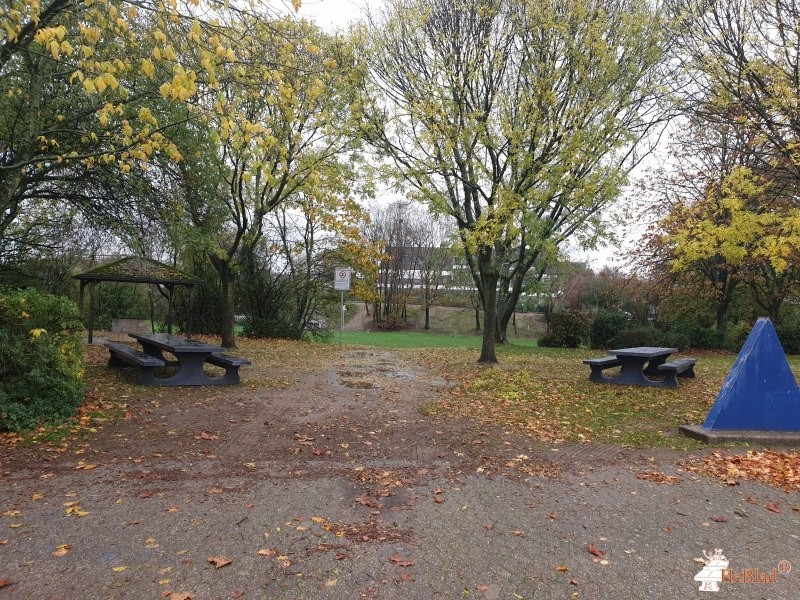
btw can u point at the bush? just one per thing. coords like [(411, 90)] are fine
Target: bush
[(642, 335), (674, 339), (568, 329), (606, 327), (789, 335), (736, 335), (41, 359), (700, 336)]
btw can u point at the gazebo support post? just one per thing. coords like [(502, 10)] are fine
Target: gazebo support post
[(170, 296), (92, 286), (191, 312)]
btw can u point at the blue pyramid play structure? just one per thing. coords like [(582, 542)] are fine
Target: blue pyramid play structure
[(760, 393)]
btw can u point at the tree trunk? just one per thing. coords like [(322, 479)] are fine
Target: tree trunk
[(427, 316), (489, 278), (722, 316), (724, 301), (477, 319), (226, 278)]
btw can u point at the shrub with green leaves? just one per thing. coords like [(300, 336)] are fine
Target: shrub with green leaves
[(568, 329), (41, 359), (606, 327)]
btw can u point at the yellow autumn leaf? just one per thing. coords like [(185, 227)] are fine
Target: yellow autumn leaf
[(118, 569), (37, 333), (62, 550)]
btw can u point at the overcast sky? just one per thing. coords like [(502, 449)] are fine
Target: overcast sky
[(335, 14)]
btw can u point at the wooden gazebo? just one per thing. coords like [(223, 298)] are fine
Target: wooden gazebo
[(135, 269)]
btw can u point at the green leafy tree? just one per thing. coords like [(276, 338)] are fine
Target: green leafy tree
[(274, 133), (518, 119), (89, 92)]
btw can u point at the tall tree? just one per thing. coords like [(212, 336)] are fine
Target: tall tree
[(277, 130), (519, 119), (728, 216), (746, 54), (89, 92)]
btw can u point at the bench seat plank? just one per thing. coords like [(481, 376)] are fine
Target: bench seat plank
[(122, 355), (679, 367), (133, 356), (598, 364), (231, 365)]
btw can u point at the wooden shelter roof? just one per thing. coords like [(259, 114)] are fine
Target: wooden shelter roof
[(136, 269)]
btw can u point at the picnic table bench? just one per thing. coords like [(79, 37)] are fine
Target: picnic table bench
[(678, 367), (121, 355), (598, 364), (639, 363), (231, 365), (190, 357)]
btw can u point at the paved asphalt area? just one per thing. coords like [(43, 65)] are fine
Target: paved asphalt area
[(328, 490)]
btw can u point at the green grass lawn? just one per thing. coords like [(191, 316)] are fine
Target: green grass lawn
[(417, 339), (547, 393)]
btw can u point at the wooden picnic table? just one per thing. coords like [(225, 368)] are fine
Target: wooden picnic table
[(639, 362)]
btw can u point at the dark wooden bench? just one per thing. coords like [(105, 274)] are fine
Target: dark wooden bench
[(231, 365), (598, 364), (122, 355), (679, 367)]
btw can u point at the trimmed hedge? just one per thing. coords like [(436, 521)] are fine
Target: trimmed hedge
[(41, 359)]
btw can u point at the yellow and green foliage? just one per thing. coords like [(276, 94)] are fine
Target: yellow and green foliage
[(41, 359), (738, 221)]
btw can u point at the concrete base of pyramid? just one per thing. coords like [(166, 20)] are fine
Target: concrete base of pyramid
[(763, 438)]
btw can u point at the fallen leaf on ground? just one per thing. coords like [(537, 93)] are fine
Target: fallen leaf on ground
[(219, 561), (657, 477), (400, 561), (237, 593), (781, 469), (772, 507), (562, 568), (4, 581), (481, 587), (62, 550), (118, 569), (595, 550), (331, 582), (181, 596), (266, 552), (719, 519)]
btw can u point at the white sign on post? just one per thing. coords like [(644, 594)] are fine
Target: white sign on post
[(341, 280)]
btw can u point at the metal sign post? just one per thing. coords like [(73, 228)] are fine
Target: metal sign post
[(341, 281)]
